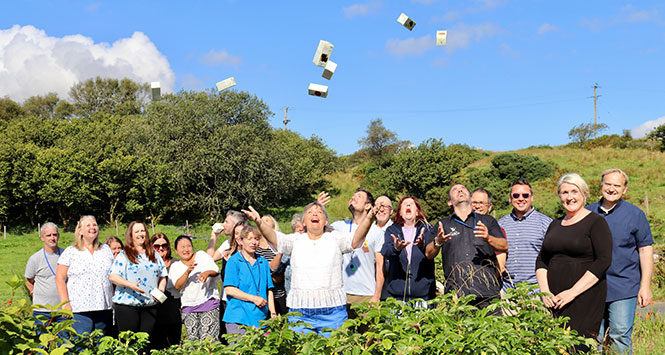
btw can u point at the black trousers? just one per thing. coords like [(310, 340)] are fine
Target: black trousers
[(136, 319)]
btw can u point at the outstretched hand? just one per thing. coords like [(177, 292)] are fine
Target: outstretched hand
[(323, 198), (399, 244), (420, 241), (481, 231), (440, 235), (253, 215)]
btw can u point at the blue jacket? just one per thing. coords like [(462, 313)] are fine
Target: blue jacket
[(420, 281)]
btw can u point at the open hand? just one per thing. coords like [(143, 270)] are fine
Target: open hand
[(323, 198), (420, 241), (253, 215), (135, 287), (481, 231), (399, 244), (441, 237)]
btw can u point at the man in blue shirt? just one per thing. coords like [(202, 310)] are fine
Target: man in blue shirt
[(629, 276), (525, 230)]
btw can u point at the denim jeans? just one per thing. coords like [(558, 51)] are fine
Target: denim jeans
[(619, 317), (51, 320), (86, 322), (319, 318)]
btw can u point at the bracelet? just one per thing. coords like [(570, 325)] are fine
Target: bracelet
[(437, 244)]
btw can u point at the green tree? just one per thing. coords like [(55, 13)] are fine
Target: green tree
[(9, 110), (658, 134), (379, 140), (106, 95), (583, 132)]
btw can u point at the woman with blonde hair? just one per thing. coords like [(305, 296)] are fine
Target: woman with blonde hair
[(82, 278), (137, 271), (576, 252)]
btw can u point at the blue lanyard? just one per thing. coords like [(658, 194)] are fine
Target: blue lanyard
[(458, 220), (47, 263), (258, 293)]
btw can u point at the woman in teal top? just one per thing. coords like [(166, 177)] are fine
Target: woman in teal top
[(248, 285), (136, 272)]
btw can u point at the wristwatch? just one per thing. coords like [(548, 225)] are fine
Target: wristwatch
[(437, 244)]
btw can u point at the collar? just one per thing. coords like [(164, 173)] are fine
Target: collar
[(526, 215), (605, 212)]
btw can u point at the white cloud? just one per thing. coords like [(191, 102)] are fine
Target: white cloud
[(546, 27), (627, 15), (222, 57), (192, 82), (410, 46), (362, 9), (462, 35), (32, 63), (646, 127)]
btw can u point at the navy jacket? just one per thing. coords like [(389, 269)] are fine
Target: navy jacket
[(420, 281)]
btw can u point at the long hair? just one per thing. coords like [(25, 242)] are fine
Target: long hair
[(233, 243), (78, 237), (162, 236), (113, 239), (130, 248), (420, 216)]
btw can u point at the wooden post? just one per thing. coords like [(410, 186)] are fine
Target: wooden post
[(4, 231), (39, 228), (116, 227), (646, 201), (152, 223), (186, 227)]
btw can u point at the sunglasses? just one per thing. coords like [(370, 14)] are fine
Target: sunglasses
[(158, 246), (524, 195)]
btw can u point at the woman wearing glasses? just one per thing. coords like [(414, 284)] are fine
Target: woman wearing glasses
[(168, 330), (136, 272)]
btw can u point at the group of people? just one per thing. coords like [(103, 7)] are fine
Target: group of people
[(593, 265)]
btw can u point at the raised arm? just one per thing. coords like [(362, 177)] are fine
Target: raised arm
[(265, 229), (216, 255), (363, 227)]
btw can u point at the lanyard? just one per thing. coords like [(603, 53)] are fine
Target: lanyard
[(252, 274), (47, 263), (456, 219)]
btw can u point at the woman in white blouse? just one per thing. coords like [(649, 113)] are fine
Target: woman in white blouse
[(316, 259), (82, 278)]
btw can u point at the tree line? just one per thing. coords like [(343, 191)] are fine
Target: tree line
[(111, 152)]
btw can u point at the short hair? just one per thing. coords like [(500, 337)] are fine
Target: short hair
[(162, 236), (297, 218), (614, 170), (451, 189), (78, 237), (315, 204), (274, 222), (521, 181), (113, 239), (574, 179), (249, 229), (46, 226), (420, 216), (480, 189), (181, 237), (370, 197), (237, 217)]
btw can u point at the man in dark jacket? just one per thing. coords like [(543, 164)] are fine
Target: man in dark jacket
[(468, 242)]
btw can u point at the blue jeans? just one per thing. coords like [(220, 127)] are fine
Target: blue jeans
[(619, 317), (319, 318), (51, 320), (86, 322)]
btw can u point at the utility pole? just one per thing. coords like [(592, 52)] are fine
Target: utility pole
[(595, 111), (286, 120)]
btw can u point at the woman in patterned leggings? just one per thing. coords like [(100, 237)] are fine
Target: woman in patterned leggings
[(196, 276)]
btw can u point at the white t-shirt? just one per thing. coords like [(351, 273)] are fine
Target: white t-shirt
[(316, 281), (196, 292), (88, 282), (359, 268)]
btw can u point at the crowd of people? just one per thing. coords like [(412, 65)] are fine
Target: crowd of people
[(592, 265)]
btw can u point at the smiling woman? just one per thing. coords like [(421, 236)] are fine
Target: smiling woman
[(576, 252), (137, 271)]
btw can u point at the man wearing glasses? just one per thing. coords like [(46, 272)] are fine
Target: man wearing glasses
[(525, 230), (481, 202)]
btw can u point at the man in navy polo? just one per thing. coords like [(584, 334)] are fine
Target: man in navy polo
[(629, 276), (525, 230)]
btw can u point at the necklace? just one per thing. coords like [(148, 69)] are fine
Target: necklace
[(256, 284)]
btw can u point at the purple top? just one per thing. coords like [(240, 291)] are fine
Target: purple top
[(206, 306)]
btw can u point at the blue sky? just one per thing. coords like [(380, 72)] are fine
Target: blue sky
[(514, 74)]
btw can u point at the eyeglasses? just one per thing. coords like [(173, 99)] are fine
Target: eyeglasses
[(158, 246), (384, 207), (479, 203), (524, 195)]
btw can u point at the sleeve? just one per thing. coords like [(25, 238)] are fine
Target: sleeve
[(344, 241), (176, 271), (388, 249), (66, 257), (643, 236), (377, 239), (161, 266), (119, 265), (207, 260), (285, 242), (542, 260), (601, 241), (231, 277), (225, 245), (31, 268)]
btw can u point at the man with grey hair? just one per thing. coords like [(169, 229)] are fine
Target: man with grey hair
[(40, 272), (233, 218), (629, 275)]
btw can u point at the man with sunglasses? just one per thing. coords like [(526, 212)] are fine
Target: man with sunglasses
[(525, 230)]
